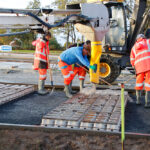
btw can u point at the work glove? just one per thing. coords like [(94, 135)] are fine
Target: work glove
[(94, 67)]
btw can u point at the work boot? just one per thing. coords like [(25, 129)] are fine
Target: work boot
[(67, 91), (138, 97), (70, 89), (41, 89), (81, 85), (147, 99)]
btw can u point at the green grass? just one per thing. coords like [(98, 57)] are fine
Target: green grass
[(52, 52), (23, 51)]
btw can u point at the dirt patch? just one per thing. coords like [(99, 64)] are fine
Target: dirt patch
[(41, 140)]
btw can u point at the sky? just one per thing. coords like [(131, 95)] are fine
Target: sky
[(20, 3)]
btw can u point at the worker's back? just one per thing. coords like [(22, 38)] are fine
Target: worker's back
[(70, 55), (140, 55)]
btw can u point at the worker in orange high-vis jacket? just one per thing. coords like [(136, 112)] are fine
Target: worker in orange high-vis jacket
[(140, 60), (78, 68), (40, 60), (71, 56)]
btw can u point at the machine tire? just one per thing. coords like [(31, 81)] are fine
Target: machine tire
[(114, 69)]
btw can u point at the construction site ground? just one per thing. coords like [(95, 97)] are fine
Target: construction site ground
[(29, 110)]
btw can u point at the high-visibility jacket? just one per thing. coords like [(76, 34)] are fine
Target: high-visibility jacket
[(41, 52), (140, 55)]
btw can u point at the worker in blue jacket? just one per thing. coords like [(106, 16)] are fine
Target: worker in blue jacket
[(73, 55)]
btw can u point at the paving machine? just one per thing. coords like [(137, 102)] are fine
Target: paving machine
[(105, 22), (125, 24)]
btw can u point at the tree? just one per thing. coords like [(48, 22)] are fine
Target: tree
[(68, 30), (35, 4), (26, 39), (54, 45)]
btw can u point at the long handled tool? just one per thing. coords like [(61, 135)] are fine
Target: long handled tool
[(51, 74), (99, 77), (111, 86), (129, 79)]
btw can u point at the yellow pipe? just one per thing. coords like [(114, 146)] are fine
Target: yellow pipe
[(96, 52)]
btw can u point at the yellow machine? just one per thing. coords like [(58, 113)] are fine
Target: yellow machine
[(103, 21), (95, 32), (96, 52)]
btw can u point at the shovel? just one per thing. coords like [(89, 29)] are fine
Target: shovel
[(50, 74)]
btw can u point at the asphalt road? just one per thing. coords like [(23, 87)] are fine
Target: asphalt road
[(29, 109)]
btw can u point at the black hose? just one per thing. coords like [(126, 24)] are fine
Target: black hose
[(41, 21), (59, 23)]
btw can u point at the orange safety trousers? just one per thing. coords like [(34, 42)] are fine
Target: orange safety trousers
[(80, 71), (67, 71), (141, 77), (42, 74)]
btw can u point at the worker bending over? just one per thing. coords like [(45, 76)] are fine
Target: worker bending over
[(40, 60), (78, 68), (140, 60), (73, 55)]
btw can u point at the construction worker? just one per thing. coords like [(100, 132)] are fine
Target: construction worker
[(79, 69), (73, 55), (40, 60), (140, 60)]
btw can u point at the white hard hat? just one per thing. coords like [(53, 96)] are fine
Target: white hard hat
[(140, 36)]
